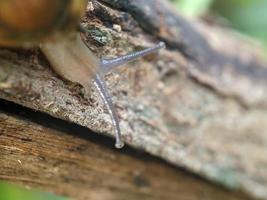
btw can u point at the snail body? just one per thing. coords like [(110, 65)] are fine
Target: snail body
[(51, 25)]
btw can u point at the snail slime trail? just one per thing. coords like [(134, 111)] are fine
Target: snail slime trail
[(55, 32)]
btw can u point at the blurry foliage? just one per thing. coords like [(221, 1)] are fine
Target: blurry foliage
[(192, 8), (12, 192), (247, 16)]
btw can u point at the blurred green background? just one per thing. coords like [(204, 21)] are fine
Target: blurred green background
[(12, 192), (246, 16)]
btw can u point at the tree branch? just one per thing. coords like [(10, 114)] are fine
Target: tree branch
[(200, 104)]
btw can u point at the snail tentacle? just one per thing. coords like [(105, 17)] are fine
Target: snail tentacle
[(101, 86), (109, 64)]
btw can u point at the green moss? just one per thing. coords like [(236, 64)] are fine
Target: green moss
[(99, 36)]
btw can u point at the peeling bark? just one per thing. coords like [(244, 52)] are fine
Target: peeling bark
[(199, 104)]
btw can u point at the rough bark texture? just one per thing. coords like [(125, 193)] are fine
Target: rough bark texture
[(62, 163), (200, 104)]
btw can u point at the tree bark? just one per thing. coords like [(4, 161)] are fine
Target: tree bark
[(200, 104), (88, 167)]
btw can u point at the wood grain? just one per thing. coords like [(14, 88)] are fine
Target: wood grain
[(68, 164)]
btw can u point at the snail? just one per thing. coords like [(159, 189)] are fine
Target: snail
[(42, 23)]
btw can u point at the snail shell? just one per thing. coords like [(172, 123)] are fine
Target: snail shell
[(31, 21), (42, 22)]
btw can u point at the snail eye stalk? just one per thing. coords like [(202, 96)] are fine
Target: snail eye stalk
[(108, 65), (101, 86)]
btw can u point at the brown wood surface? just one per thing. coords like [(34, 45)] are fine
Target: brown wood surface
[(201, 104), (74, 164)]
